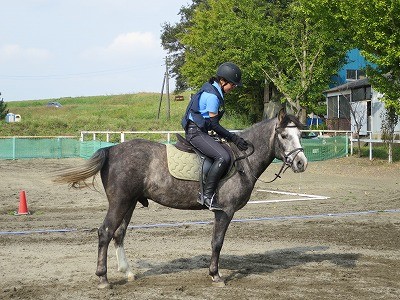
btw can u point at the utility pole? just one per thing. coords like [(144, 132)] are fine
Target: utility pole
[(166, 84)]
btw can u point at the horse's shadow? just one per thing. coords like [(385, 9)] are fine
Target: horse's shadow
[(260, 263)]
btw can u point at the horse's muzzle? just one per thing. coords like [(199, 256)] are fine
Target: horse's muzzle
[(296, 160), (299, 163)]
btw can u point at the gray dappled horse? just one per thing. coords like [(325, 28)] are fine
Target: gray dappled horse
[(137, 170)]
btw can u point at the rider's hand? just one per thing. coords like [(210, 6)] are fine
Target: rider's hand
[(240, 142)]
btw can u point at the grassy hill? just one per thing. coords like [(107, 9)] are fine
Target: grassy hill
[(130, 112)]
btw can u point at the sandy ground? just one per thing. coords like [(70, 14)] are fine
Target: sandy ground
[(343, 247)]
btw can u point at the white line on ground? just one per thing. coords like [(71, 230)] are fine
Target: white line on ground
[(304, 197)]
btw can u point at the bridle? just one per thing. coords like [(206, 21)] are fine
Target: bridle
[(287, 163)]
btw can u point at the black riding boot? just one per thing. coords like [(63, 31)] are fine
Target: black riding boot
[(215, 173)]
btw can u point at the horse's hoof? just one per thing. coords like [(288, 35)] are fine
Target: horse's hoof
[(218, 281), (104, 284), (130, 276)]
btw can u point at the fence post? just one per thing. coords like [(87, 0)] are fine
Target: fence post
[(59, 146), (351, 143), (13, 148), (370, 145), (122, 136)]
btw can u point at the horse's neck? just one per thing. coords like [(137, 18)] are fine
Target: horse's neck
[(261, 135)]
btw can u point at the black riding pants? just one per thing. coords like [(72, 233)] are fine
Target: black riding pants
[(211, 148)]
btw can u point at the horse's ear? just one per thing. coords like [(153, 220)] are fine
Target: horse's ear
[(281, 114)]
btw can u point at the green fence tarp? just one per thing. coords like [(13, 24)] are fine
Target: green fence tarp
[(18, 148), (86, 149), (325, 148)]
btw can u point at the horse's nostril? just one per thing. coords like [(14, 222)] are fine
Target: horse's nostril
[(300, 165)]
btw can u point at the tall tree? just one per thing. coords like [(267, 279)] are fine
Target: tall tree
[(296, 45), (376, 29)]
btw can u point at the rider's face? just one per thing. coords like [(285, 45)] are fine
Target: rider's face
[(228, 86)]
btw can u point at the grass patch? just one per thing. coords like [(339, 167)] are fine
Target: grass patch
[(128, 112), (380, 151)]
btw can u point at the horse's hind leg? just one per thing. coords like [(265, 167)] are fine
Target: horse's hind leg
[(119, 235), (115, 215)]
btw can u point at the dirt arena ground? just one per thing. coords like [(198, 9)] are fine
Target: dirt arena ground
[(343, 247)]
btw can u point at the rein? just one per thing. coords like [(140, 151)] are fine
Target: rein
[(286, 164), (246, 155)]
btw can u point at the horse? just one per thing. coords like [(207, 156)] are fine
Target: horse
[(137, 170)]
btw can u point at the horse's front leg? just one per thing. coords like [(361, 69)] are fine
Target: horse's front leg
[(221, 223)]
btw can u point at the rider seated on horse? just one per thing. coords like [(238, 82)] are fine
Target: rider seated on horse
[(203, 114)]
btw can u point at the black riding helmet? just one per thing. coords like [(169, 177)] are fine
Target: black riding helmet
[(230, 72)]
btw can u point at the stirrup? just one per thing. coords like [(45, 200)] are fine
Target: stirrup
[(200, 199), (212, 205)]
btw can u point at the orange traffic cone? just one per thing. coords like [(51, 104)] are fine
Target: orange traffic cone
[(23, 207)]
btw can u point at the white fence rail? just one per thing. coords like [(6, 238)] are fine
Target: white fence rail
[(321, 133), (370, 142), (122, 134)]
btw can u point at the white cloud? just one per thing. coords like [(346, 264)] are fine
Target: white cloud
[(14, 52), (72, 48), (130, 45)]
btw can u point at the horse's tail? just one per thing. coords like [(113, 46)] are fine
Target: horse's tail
[(75, 177)]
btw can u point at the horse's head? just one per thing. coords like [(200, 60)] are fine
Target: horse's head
[(287, 142)]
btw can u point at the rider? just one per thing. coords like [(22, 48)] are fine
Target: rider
[(202, 115)]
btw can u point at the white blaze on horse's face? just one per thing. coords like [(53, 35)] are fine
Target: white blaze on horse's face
[(291, 151)]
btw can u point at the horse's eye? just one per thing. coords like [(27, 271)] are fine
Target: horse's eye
[(284, 135)]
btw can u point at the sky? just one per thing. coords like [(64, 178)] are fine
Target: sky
[(51, 49)]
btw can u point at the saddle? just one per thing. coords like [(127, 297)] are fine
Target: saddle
[(187, 163)]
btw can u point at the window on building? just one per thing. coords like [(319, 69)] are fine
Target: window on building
[(344, 108), (355, 74), (338, 107), (361, 94), (332, 107)]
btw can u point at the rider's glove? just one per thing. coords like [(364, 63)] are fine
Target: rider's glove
[(240, 142)]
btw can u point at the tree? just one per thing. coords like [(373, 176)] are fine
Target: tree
[(3, 109), (389, 122), (376, 28), (293, 46), (358, 113)]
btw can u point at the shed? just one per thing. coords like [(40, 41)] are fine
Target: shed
[(357, 96)]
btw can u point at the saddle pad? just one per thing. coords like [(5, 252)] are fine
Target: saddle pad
[(183, 165)]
